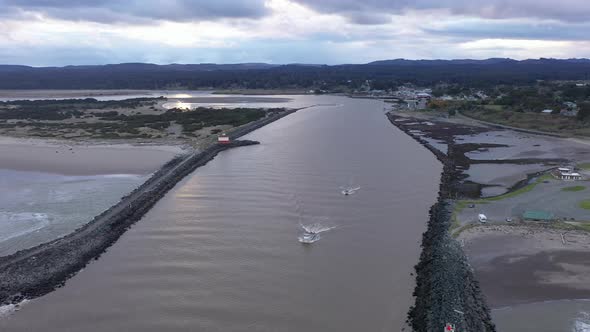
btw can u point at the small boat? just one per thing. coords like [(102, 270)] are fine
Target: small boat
[(349, 190), (309, 237)]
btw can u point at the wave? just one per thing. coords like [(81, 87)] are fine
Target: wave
[(17, 224), (582, 324), (8, 309)]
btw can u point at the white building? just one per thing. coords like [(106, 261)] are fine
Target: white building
[(568, 173), (571, 176)]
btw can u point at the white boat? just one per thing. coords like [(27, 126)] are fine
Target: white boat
[(349, 190), (308, 238), (482, 218)]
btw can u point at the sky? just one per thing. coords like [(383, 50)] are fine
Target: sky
[(82, 32)]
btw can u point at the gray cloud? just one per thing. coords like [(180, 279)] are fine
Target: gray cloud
[(564, 10), (514, 30), (367, 18), (134, 11)]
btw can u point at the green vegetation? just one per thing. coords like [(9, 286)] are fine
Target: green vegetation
[(552, 123), (452, 77), (193, 120), (64, 109), (584, 111), (460, 205), (584, 166), (585, 204), (529, 187), (574, 188), (493, 107), (570, 225), (531, 98), (522, 106), (45, 118), (525, 189)]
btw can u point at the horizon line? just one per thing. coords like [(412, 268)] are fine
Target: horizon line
[(297, 63)]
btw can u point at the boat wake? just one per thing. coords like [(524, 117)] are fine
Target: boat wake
[(311, 232), (582, 324), (349, 190), (316, 228), (8, 309), (18, 224)]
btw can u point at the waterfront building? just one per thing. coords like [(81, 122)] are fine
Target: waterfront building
[(567, 173), (223, 139)]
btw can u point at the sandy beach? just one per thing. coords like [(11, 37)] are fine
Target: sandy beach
[(517, 264), (68, 158)]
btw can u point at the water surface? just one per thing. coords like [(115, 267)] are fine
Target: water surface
[(566, 316), (220, 251), (38, 207)]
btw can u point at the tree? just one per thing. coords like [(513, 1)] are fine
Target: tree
[(583, 111), (452, 112)]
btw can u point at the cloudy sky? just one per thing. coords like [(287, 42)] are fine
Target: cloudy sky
[(62, 32)]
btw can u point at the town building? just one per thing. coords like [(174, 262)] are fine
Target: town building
[(569, 112), (422, 103), (567, 173), (423, 95), (569, 109), (223, 139), (570, 176)]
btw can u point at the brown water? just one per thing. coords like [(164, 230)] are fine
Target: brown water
[(220, 251), (556, 316)]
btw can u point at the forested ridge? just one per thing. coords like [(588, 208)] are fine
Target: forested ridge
[(383, 74)]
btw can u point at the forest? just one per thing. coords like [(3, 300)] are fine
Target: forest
[(383, 75)]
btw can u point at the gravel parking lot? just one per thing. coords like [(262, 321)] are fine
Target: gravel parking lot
[(549, 197)]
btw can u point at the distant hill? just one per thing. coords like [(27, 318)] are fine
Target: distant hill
[(384, 74), (404, 62)]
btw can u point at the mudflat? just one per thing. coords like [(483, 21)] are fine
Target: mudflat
[(53, 156), (516, 265)]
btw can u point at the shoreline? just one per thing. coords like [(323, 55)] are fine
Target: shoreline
[(36, 271), (446, 289), (514, 263), (523, 264)]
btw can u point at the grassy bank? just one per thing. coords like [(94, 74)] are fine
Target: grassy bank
[(529, 187), (551, 123), (460, 205), (585, 204), (574, 188), (131, 118)]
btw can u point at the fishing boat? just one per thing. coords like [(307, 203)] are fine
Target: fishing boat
[(309, 237), (349, 190)]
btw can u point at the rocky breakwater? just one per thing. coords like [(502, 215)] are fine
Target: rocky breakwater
[(446, 290), (39, 270)]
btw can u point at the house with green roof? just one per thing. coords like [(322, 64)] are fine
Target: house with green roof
[(538, 215)]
